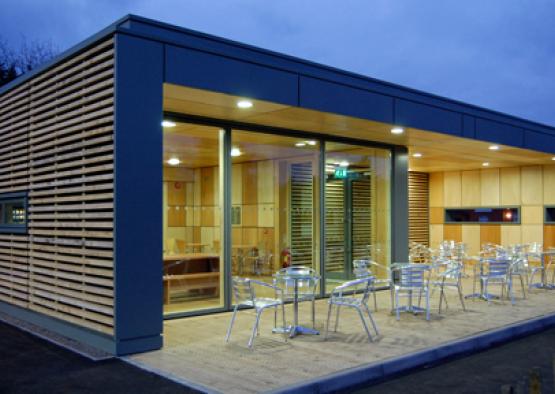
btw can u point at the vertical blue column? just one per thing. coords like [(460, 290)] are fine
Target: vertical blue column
[(138, 194), (400, 205)]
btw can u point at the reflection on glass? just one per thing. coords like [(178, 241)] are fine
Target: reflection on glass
[(357, 198), (274, 190), (192, 216), (15, 213)]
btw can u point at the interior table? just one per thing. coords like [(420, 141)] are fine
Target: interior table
[(543, 256), (296, 275)]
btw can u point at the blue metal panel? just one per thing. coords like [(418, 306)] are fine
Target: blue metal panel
[(138, 194), (400, 205), (487, 130), (539, 141), (469, 126), (408, 113), (345, 100), (205, 71)]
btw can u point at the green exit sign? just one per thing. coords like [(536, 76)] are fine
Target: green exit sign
[(341, 172)]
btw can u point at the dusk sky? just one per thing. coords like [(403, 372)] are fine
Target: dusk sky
[(498, 54)]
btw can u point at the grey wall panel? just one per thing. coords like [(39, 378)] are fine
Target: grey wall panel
[(538, 141), (205, 71), (487, 130), (411, 114), (340, 99), (469, 126)]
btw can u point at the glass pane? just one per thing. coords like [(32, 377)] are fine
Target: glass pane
[(15, 213), (193, 277), (274, 204), (357, 199)]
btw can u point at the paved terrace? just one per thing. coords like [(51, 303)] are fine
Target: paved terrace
[(194, 349)]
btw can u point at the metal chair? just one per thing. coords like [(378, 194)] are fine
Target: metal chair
[(497, 272), (245, 295), (519, 266), (306, 287), (534, 252), (411, 279), (352, 294), (367, 268), (451, 277)]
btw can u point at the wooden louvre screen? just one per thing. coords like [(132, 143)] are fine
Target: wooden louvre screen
[(335, 225), (362, 218), (419, 223), (301, 213), (64, 267)]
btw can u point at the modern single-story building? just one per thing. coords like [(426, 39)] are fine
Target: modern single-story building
[(144, 167)]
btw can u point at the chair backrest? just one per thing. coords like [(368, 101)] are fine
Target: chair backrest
[(355, 289), (361, 268), (535, 247), (412, 275), (498, 267), (243, 291)]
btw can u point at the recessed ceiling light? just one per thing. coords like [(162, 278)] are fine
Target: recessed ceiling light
[(168, 123), (344, 163), (174, 161), (493, 147), (311, 142), (553, 158), (300, 144), (417, 154), (485, 164), (397, 130), (235, 152), (244, 104)]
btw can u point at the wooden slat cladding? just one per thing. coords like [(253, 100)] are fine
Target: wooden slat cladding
[(419, 222), (61, 122)]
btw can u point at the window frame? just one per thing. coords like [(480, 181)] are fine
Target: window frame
[(5, 199)]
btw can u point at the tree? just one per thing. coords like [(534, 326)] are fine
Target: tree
[(29, 56)]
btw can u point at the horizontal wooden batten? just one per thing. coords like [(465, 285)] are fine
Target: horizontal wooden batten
[(57, 143)]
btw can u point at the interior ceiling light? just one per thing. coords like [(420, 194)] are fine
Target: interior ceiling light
[(174, 161), (417, 154), (553, 158), (311, 142), (397, 130), (493, 147), (168, 123), (244, 104), (485, 164), (300, 144), (235, 152), (344, 163)]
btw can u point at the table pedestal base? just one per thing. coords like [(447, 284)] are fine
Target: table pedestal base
[(481, 296), (295, 330)]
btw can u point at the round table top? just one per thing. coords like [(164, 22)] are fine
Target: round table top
[(296, 273)]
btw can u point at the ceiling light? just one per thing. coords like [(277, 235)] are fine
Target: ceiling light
[(344, 163), (397, 130), (485, 164), (417, 154), (168, 123), (311, 143), (300, 144), (235, 152), (493, 147), (244, 104), (553, 158), (174, 161)]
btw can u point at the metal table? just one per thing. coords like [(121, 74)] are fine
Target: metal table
[(481, 295), (543, 281), (295, 276)]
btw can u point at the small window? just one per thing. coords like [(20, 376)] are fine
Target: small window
[(486, 215), (550, 215), (13, 213)]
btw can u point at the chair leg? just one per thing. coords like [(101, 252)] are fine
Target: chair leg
[(376, 298), (231, 323), (313, 312), (461, 297), (328, 321), (427, 304), (397, 306), (522, 286), (285, 333), (364, 324), (372, 320), (254, 329), (337, 318), (440, 297)]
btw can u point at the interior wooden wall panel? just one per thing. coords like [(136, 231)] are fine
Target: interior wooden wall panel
[(549, 184), (470, 188), (452, 232), (549, 236), (437, 215), (207, 191), (436, 189), (489, 186), (452, 188), (436, 235), (532, 233), (471, 237), (510, 186), (531, 185), (532, 214), (71, 111), (510, 235), (250, 183), (490, 233), (419, 215)]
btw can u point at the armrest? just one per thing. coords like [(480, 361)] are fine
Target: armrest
[(264, 284)]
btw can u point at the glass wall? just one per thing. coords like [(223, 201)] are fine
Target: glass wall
[(192, 269), (357, 201), (275, 187)]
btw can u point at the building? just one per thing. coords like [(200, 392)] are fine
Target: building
[(112, 221)]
